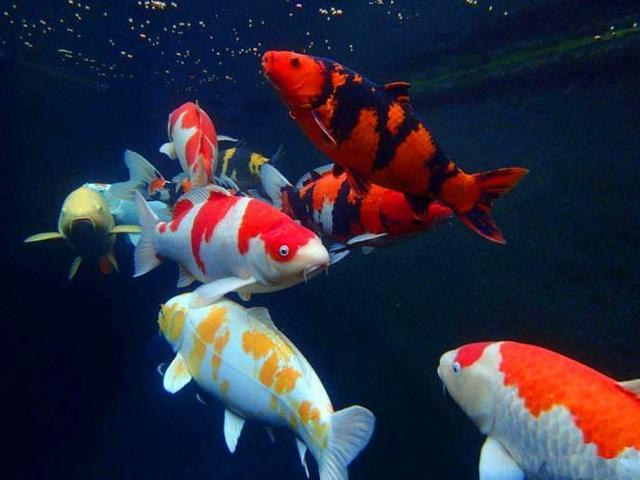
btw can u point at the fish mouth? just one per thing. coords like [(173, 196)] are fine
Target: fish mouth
[(82, 227), (313, 270), (266, 64)]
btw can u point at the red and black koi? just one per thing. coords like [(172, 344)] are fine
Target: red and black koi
[(372, 134), (328, 205)]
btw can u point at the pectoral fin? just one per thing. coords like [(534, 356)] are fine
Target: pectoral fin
[(126, 229), (74, 267), (323, 127), (185, 278), (226, 138), (209, 293), (176, 376), (38, 237), (302, 451), (244, 296), (632, 386), (169, 150), (361, 240), (359, 185), (337, 252), (497, 464), (232, 429)]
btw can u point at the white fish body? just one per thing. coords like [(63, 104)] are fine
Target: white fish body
[(238, 356)]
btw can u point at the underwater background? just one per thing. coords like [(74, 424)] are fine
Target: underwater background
[(548, 85)]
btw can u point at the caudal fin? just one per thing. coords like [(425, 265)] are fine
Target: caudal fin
[(145, 256), (141, 174), (351, 430), (274, 184), (489, 186)]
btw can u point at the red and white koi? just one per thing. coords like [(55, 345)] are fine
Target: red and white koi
[(239, 356), (546, 416), (194, 142), (230, 243)]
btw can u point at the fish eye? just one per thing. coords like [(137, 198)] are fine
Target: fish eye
[(295, 62), (456, 367), (283, 250)]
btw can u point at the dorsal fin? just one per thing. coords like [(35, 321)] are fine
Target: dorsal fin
[(632, 386), (200, 195), (262, 315), (313, 175), (399, 90)]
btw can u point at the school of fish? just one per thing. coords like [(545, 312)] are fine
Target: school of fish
[(233, 222)]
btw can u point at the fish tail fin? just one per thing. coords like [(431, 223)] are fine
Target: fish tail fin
[(351, 430), (488, 187), (277, 156), (74, 267), (145, 256), (141, 173), (274, 184)]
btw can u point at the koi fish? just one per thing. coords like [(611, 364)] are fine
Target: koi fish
[(193, 141), (230, 243), (87, 225), (372, 134), (242, 165), (143, 177), (328, 205), (238, 356), (546, 416)]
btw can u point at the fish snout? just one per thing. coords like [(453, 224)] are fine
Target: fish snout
[(314, 258), (82, 227), (267, 61)]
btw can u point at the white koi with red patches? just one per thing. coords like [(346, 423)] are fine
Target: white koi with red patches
[(230, 243), (194, 142), (546, 417), (239, 356)]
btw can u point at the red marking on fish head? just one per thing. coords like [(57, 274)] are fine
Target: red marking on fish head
[(298, 78), (283, 242), (282, 236), (470, 353)]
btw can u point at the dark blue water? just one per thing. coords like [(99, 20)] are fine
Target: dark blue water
[(81, 395)]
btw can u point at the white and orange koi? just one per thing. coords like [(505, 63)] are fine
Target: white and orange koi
[(240, 357), (546, 416), (230, 243), (194, 142)]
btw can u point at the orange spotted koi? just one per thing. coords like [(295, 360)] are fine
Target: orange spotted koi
[(545, 415), (238, 356), (372, 134)]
